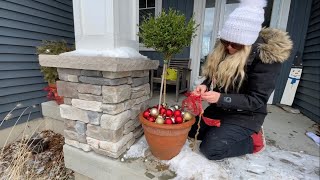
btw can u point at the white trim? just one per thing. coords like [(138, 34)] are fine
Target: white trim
[(158, 4), (143, 48), (218, 21), (158, 9), (147, 8), (280, 14), (196, 44)]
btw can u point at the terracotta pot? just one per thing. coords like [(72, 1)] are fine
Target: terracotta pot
[(165, 140)]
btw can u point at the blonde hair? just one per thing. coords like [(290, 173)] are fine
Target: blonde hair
[(226, 71)]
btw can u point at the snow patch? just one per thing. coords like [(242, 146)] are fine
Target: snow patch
[(138, 149), (190, 165), (122, 52), (272, 163)]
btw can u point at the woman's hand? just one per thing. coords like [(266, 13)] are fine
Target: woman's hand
[(200, 89), (211, 96)]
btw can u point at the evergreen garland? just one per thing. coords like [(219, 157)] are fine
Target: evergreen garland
[(53, 48)]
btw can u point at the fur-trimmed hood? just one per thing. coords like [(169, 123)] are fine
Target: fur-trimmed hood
[(276, 46)]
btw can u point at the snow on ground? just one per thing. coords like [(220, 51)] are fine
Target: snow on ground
[(272, 163), (122, 52)]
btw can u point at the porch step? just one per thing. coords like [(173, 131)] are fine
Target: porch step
[(97, 167)]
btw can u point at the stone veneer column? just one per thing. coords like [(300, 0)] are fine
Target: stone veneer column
[(103, 97)]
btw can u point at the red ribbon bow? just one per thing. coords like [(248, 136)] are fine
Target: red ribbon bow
[(193, 104)]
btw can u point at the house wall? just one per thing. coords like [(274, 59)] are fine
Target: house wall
[(23, 25), (307, 98), (184, 6)]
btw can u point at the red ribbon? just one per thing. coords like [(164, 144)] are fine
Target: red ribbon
[(193, 104), (53, 94)]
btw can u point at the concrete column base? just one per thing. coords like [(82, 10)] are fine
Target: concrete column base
[(98, 167)]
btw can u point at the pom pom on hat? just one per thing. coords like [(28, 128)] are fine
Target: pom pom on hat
[(244, 23)]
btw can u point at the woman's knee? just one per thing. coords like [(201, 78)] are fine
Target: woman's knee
[(214, 150)]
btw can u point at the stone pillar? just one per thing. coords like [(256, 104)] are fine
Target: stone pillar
[(105, 83), (102, 99)]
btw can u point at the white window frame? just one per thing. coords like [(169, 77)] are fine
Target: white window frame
[(158, 8)]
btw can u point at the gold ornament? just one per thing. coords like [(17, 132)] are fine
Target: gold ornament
[(154, 112), (187, 116), (159, 120)]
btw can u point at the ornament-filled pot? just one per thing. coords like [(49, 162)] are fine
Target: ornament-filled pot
[(165, 140)]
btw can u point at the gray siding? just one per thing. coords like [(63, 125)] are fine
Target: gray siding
[(184, 6), (307, 98), (23, 25)]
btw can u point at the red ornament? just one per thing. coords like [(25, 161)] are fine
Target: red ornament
[(151, 119), (156, 106), (146, 114), (178, 120), (168, 121), (177, 113), (169, 112), (162, 111)]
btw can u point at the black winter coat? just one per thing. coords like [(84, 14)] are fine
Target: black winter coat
[(248, 107)]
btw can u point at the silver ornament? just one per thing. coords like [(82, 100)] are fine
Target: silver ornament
[(173, 120), (154, 112), (164, 105), (177, 107), (172, 108), (159, 120)]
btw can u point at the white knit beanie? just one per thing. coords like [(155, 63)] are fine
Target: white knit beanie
[(244, 23)]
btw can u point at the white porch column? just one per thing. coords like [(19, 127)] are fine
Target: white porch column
[(106, 27), (105, 85), (195, 48)]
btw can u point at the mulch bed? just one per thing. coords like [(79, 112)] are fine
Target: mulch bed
[(38, 157)]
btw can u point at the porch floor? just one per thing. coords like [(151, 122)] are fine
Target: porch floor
[(290, 154)]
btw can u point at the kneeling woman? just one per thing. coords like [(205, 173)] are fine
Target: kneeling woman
[(240, 76)]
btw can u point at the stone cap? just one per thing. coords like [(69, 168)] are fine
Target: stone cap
[(98, 63)]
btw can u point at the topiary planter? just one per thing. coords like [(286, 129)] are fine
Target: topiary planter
[(165, 140)]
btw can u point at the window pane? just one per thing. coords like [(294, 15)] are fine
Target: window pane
[(207, 31), (232, 1), (229, 8), (142, 4), (145, 13), (151, 3), (267, 14)]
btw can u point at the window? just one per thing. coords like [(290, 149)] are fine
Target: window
[(148, 8)]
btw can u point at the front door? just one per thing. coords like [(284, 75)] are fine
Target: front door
[(214, 14)]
